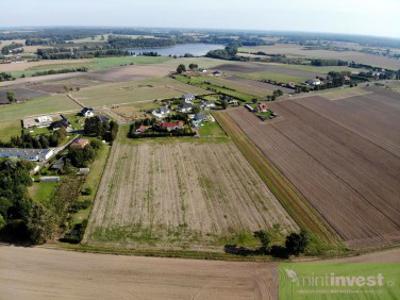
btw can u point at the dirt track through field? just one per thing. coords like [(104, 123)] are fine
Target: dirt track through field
[(180, 192), (332, 152)]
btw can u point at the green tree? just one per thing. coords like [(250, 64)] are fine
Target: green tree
[(193, 66), (38, 223), (296, 243), (11, 96), (181, 68), (265, 240)]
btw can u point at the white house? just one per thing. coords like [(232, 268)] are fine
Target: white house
[(87, 112), (314, 82), (185, 107), (161, 112), (189, 98), (207, 105)]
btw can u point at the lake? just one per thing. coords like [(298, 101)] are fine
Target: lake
[(181, 49)]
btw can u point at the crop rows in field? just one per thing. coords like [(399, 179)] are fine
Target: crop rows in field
[(171, 194), (342, 156)]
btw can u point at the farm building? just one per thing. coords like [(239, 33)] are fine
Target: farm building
[(249, 107), (161, 112), (84, 171), (34, 155), (49, 179), (38, 122), (188, 98), (79, 144), (87, 112)]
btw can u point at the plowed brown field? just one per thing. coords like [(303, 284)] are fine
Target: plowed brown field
[(343, 156), (181, 194)]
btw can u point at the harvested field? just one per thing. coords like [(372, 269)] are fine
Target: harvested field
[(247, 67), (37, 273), (343, 156), (180, 195), (22, 93), (130, 73), (261, 88), (41, 65), (358, 57)]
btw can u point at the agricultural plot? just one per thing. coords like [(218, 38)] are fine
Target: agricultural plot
[(180, 195), (299, 51), (343, 156), (38, 106), (21, 93), (130, 92)]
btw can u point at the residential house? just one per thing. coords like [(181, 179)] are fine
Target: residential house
[(233, 102), (34, 155), (207, 105), (199, 119), (161, 112), (37, 122), (314, 82), (58, 165), (262, 107), (185, 107), (188, 98), (87, 112), (61, 123), (79, 144), (142, 129), (171, 126)]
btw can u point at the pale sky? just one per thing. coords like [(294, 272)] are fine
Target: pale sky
[(369, 17)]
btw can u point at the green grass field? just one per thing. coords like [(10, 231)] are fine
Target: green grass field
[(130, 92), (9, 129), (280, 77), (43, 192), (315, 69), (213, 87), (42, 105), (95, 64), (92, 181), (37, 106)]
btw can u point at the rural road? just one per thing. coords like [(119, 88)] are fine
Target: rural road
[(38, 273)]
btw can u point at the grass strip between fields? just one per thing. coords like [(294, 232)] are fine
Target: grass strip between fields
[(290, 198)]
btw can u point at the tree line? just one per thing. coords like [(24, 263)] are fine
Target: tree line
[(42, 141)]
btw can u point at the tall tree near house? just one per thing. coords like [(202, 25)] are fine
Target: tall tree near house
[(181, 68), (11, 96), (193, 66)]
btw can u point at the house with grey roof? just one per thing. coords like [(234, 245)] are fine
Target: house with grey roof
[(34, 155)]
